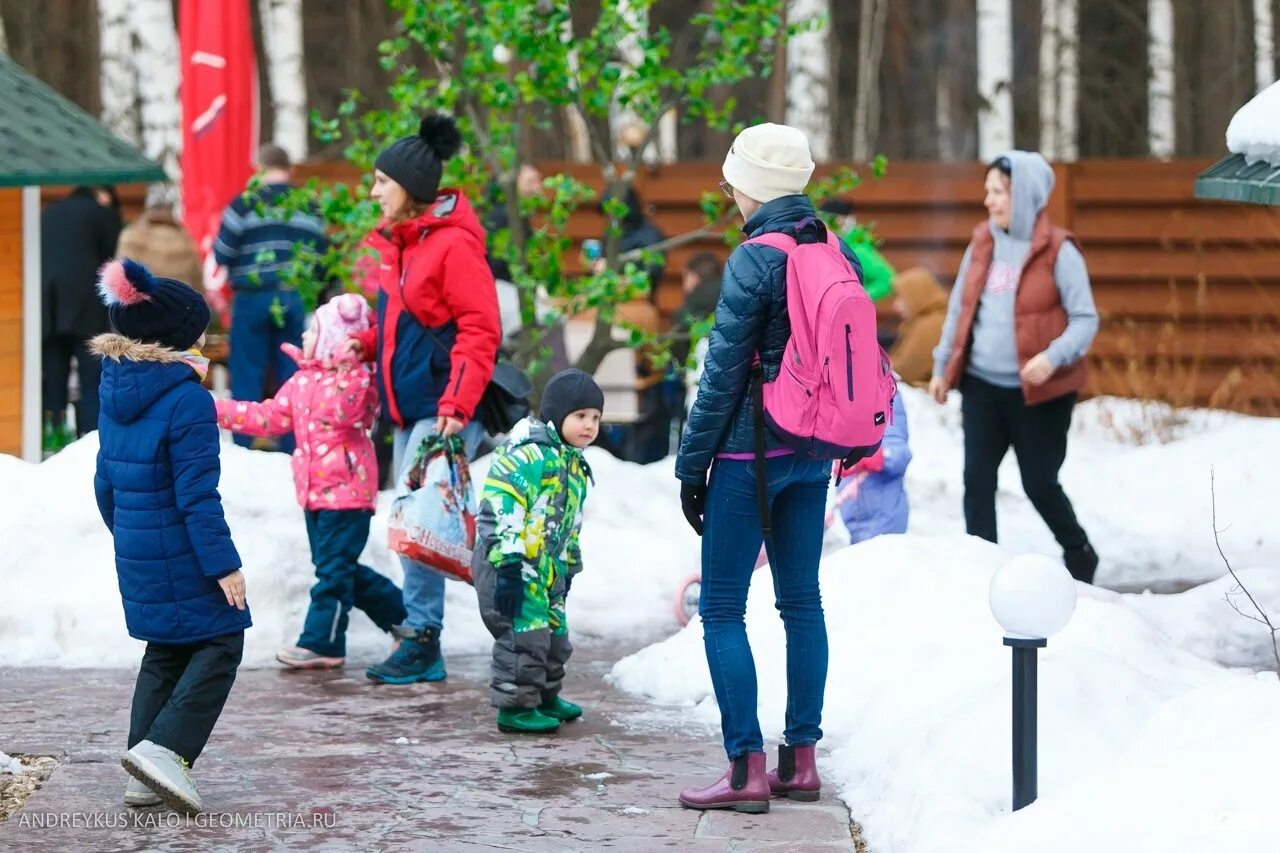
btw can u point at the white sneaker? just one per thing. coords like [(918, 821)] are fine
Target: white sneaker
[(138, 794), (165, 773)]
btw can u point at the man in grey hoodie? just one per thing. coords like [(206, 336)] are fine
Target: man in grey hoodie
[(1019, 323)]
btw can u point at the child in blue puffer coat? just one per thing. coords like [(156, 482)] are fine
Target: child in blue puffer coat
[(871, 498), (157, 490)]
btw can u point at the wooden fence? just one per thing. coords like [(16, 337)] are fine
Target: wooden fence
[(1189, 291)]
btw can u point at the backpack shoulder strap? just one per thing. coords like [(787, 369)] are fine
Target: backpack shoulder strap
[(774, 239)]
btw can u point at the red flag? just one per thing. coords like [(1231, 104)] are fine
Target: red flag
[(219, 121)]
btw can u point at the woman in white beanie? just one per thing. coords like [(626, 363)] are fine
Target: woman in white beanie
[(765, 173)]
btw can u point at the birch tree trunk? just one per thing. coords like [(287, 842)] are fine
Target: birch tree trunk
[(1161, 130), (156, 64), (282, 43), (4, 42), (623, 122), (942, 113), (668, 137), (866, 113), (995, 75), (119, 79), (809, 77), (579, 135), (1264, 39), (1059, 79)]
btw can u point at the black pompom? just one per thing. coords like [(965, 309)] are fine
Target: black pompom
[(442, 134)]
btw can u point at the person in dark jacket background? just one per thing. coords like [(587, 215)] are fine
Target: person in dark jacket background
[(435, 345), (77, 236), (638, 232), (157, 490), (257, 246), (766, 172)]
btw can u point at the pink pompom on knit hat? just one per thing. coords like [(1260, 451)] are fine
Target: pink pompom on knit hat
[(337, 321)]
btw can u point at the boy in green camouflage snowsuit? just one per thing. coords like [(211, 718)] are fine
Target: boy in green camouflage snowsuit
[(527, 552)]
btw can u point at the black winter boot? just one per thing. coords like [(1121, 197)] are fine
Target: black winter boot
[(1081, 562)]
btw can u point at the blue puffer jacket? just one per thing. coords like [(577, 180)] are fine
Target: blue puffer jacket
[(751, 317), (157, 490)]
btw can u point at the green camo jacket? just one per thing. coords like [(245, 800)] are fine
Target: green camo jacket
[(531, 506)]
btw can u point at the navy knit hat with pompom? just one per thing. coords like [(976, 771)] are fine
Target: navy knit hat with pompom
[(416, 162), (151, 309)]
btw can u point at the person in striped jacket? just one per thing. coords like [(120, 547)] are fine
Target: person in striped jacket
[(259, 245)]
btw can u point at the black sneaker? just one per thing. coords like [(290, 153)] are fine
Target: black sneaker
[(417, 659)]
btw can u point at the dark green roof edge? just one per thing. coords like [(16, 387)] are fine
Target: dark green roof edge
[(85, 177), (32, 113), (1234, 179)]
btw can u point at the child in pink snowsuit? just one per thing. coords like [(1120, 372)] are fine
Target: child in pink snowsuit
[(329, 404)]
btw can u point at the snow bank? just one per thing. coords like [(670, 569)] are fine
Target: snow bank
[(62, 606), (1146, 506), (11, 766), (1254, 131), (1138, 737)]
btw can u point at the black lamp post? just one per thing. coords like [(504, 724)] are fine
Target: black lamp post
[(1025, 658), (1033, 598)]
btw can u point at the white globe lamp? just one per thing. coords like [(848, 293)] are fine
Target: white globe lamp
[(1032, 597)]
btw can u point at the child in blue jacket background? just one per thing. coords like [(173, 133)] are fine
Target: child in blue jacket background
[(157, 489), (872, 498)]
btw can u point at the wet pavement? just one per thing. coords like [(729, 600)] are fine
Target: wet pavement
[(331, 761)]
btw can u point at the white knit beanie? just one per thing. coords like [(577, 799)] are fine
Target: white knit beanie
[(769, 161)]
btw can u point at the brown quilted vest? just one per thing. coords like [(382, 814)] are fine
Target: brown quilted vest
[(1038, 315)]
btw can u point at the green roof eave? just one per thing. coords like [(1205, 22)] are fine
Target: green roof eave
[(1235, 179), (46, 139), (90, 177)]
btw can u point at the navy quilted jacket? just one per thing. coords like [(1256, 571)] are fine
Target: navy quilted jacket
[(751, 317), (157, 490)]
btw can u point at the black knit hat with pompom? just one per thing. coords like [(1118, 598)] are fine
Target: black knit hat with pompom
[(416, 162)]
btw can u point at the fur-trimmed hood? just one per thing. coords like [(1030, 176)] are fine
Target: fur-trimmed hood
[(135, 375), (119, 348)]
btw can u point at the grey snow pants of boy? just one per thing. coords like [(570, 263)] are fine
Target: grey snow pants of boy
[(528, 666)]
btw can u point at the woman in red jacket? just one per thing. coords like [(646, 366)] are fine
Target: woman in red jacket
[(435, 344)]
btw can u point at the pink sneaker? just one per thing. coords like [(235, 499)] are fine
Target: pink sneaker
[(299, 658)]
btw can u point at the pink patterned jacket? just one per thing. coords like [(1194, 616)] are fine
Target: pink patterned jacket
[(330, 406)]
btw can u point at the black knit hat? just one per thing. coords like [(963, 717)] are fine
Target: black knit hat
[(416, 162), (152, 309), (567, 392)]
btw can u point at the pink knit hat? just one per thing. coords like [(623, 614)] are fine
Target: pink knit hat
[(336, 321)]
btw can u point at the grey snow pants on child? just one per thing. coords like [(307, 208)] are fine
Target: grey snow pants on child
[(528, 665)]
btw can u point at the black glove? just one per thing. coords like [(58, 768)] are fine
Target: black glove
[(508, 593), (693, 500)]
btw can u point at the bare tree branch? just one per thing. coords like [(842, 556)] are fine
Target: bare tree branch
[(709, 230), (1265, 620)]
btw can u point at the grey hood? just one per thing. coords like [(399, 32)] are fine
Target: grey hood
[(1030, 188)]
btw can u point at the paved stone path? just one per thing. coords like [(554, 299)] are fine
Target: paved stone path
[(330, 761)]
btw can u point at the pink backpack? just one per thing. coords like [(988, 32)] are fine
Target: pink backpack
[(833, 396)]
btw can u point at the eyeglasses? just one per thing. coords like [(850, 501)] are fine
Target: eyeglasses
[(726, 188)]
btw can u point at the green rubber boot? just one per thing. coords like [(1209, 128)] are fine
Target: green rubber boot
[(560, 709), (529, 721)]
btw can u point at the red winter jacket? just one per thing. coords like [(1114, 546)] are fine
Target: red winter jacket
[(438, 330)]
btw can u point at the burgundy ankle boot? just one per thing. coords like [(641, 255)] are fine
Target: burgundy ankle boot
[(797, 774), (743, 788)]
